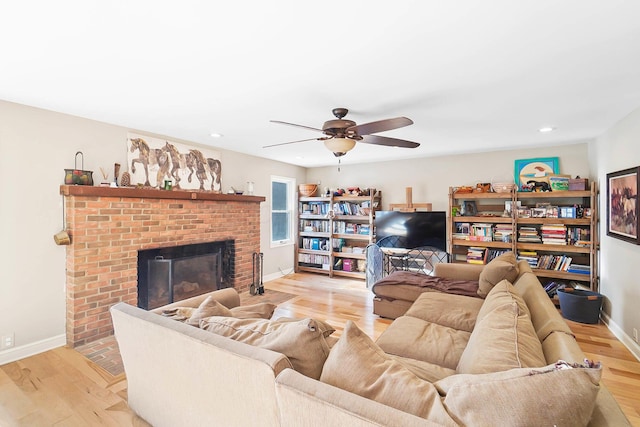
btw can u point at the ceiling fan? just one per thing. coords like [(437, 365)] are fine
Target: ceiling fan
[(341, 135)]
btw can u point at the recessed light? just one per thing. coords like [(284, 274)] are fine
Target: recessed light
[(546, 129), (215, 135)]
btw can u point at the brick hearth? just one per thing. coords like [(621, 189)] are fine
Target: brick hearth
[(109, 225)]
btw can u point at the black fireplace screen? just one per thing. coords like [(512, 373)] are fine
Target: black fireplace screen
[(172, 274)]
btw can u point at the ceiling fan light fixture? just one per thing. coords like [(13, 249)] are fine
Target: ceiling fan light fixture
[(340, 146)]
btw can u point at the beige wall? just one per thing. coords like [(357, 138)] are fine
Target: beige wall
[(616, 150), (431, 177), (35, 147)]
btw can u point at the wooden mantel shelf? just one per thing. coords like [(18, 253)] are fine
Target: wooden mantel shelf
[(150, 193)]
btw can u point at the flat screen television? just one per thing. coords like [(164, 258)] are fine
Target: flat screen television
[(416, 228)]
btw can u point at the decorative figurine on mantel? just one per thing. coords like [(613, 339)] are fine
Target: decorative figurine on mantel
[(116, 173), (105, 177)]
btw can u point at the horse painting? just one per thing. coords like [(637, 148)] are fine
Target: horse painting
[(163, 160)]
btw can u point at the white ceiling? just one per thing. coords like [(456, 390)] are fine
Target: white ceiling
[(472, 75)]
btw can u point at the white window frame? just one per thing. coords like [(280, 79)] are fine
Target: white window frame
[(291, 208)]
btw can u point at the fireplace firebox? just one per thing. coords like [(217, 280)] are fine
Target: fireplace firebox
[(171, 274)]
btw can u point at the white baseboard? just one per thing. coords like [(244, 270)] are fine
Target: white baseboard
[(17, 353), (273, 276), (625, 339)]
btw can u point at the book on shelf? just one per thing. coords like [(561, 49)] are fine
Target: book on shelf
[(528, 235), (502, 233), (475, 255), (482, 230), (315, 208), (553, 234), (530, 256), (311, 260), (314, 243), (579, 269), (350, 208), (554, 262), (490, 254), (579, 236)]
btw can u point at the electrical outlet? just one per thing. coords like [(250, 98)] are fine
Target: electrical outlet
[(635, 335), (7, 341)]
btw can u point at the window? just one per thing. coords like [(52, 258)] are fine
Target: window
[(282, 201)]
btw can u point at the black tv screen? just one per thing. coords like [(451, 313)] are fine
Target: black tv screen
[(416, 228)]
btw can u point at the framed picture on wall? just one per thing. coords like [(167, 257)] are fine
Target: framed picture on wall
[(622, 204)]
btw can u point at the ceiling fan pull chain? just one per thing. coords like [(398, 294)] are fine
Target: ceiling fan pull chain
[(339, 161)]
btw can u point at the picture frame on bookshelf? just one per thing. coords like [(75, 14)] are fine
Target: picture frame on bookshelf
[(470, 208), (622, 205), (508, 205), (533, 169), (538, 212)]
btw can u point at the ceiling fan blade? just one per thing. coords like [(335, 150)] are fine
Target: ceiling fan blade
[(300, 140), (390, 142), (293, 124), (380, 126)]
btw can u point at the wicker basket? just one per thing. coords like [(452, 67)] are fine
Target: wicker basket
[(503, 187), (307, 190)]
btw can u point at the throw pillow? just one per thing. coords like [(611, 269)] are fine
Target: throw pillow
[(325, 328), (207, 308), (301, 341), (504, 337), (557, 394), (358, 365), (502, 267), (181, 314)]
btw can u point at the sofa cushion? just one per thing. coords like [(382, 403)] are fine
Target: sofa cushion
[(424, 370), (302, 341), (502, 267), (429, 342), (261, 310), (358, 365), (325, 328), (211, 307), (453, 311), (503, 337), (552, 395)]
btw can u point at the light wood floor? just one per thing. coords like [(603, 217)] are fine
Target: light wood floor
[(62, 388)]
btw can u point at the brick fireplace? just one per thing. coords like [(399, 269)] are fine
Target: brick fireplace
[(109, 225)]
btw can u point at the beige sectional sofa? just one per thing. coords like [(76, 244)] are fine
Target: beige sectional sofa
[(433, 366)]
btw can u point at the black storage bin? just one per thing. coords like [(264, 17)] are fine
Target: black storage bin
[(580, 305)]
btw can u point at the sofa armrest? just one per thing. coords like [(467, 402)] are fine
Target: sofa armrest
[(179, 375), (303, 401), (458, 271)]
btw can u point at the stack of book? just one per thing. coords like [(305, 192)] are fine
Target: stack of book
[(528, 235), (475, 255), (501, 232), (530, 256), (555, 234), (579, 269)]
